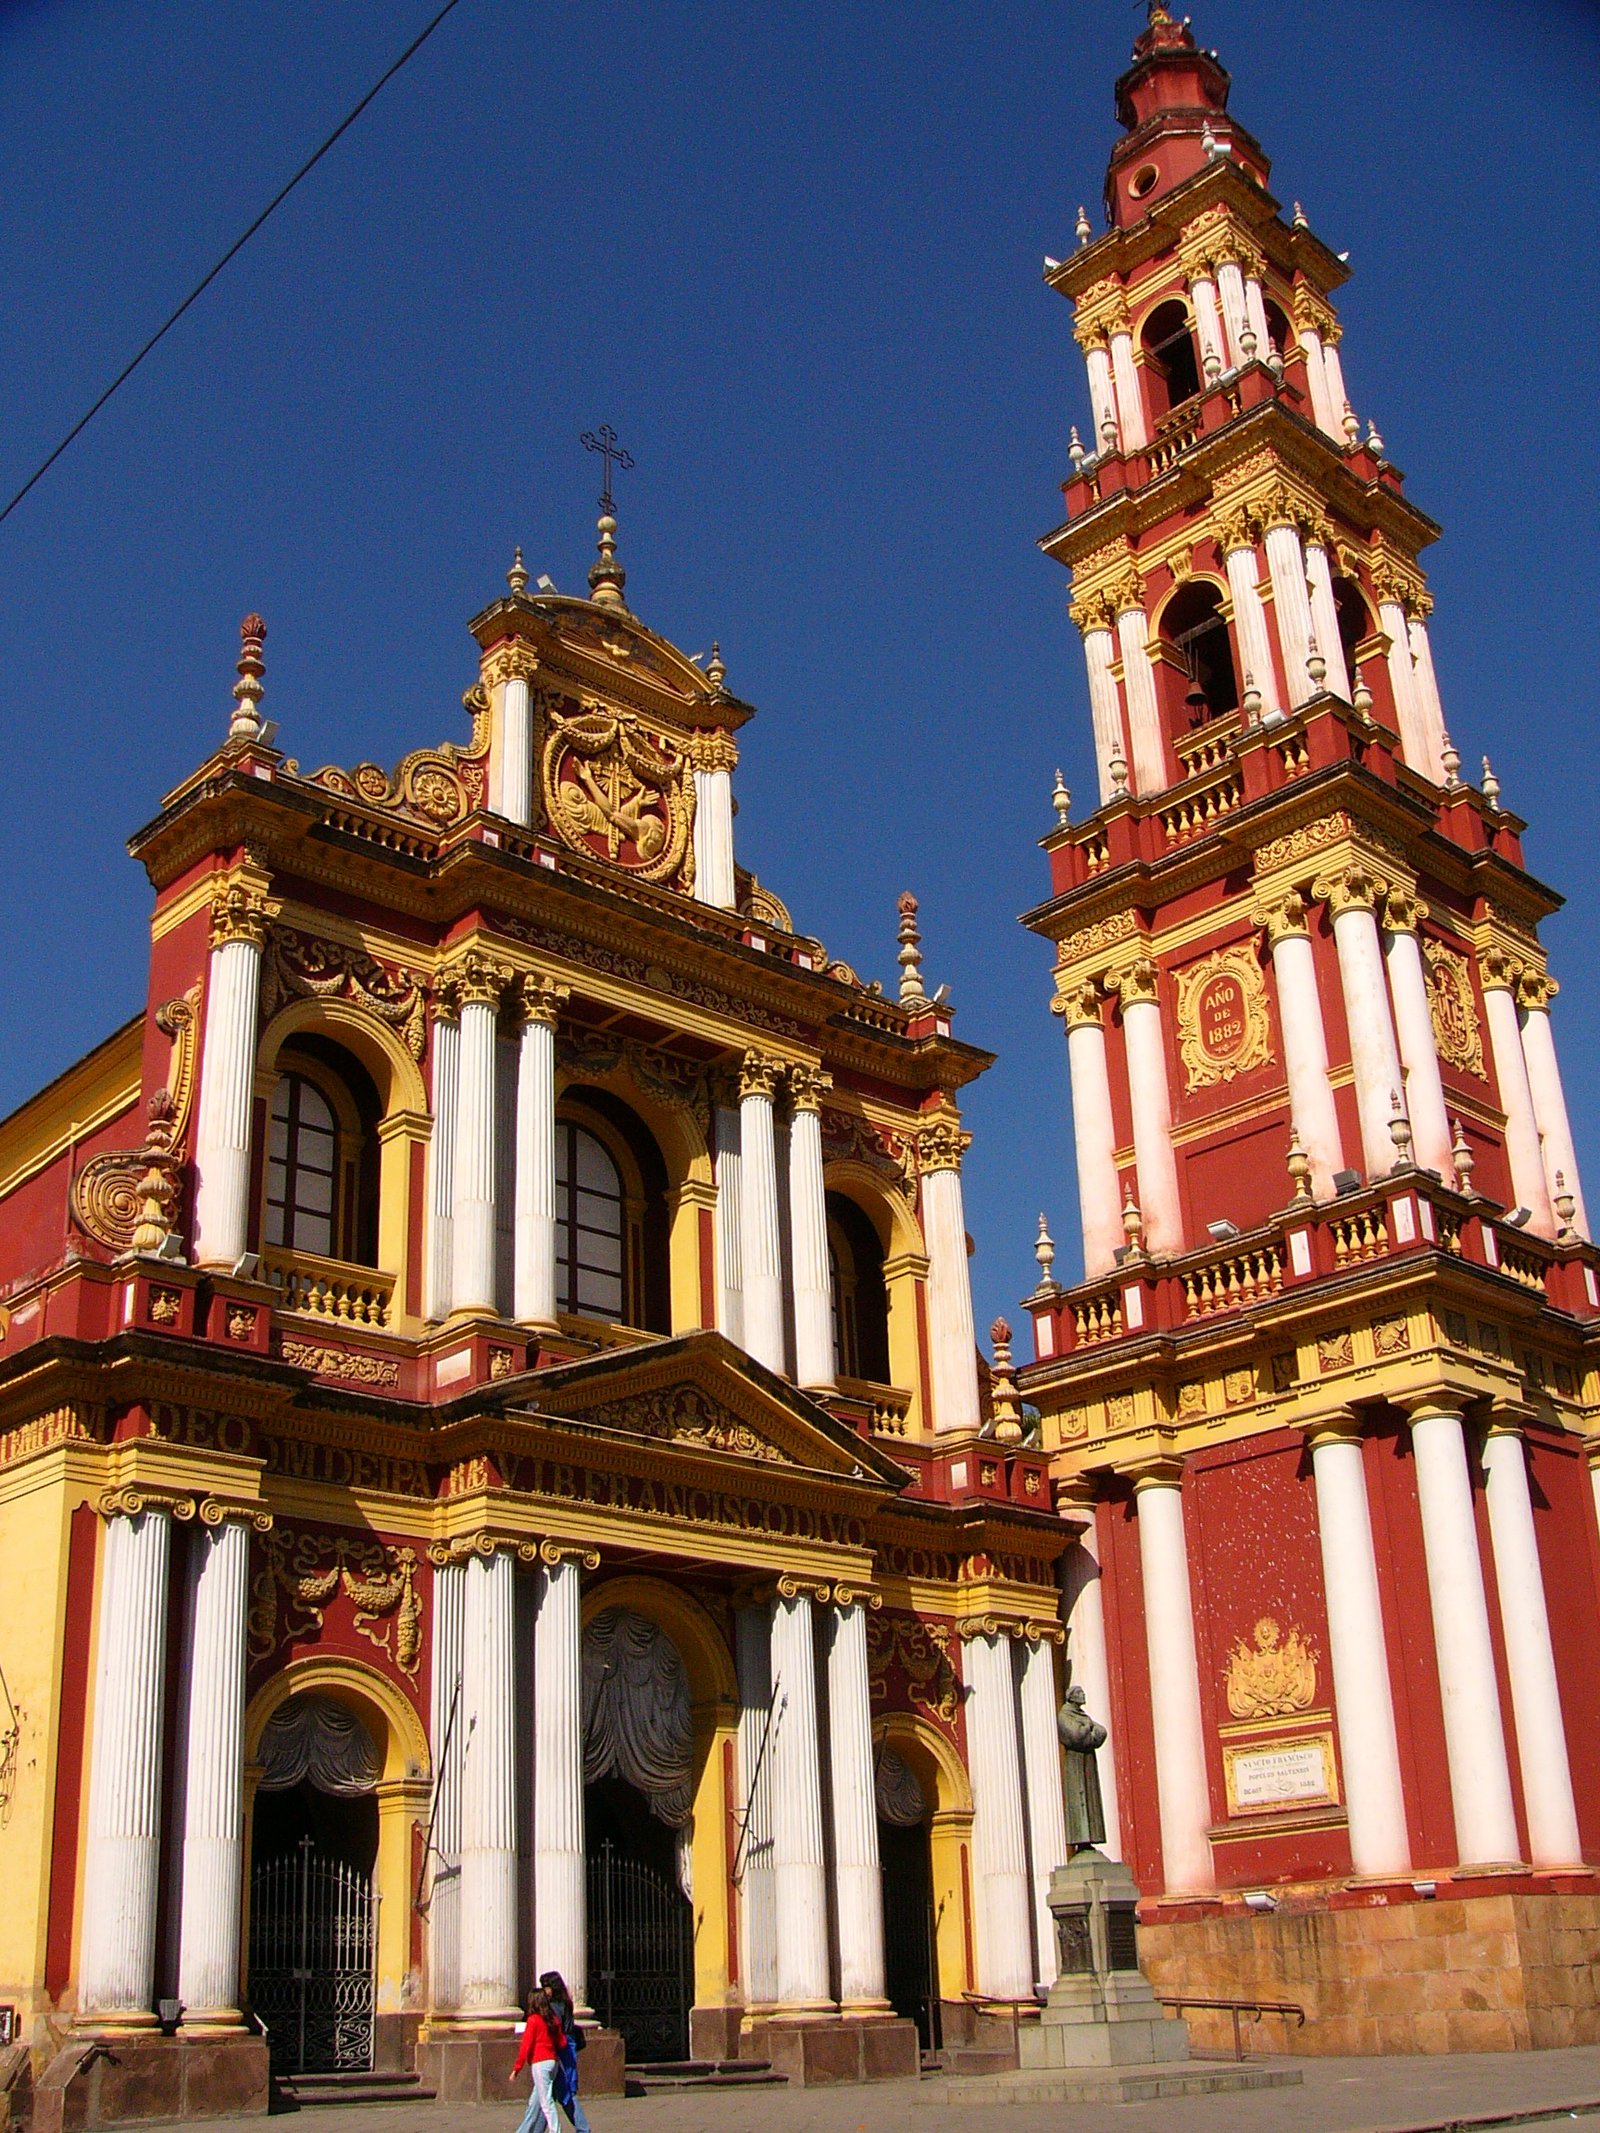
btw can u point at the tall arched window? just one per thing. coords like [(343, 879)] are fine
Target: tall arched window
[(302, 1168), (1355, 623), (1195, 627), (1279, 330), (1171, 365), (860, 1298), (591, 1225)]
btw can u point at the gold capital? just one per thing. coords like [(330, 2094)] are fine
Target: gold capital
[(1139, 981), (1353, 888), (1282, 917), (1079, 1004), (1403, 912), (240, 910), (942, 1143), (807, 1086), (758, 1075), (541, 999)]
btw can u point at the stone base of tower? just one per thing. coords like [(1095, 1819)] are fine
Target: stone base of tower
[(474, 2065), (836, 2049), (1479, 1967), (119, 2080)]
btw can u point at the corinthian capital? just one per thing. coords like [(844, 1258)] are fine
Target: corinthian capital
[(1352, 888), (540, 999), (480, 980), (713, 751), (240, 911), (758, 1075), (807, 1086), (513, 661), (941, 1144)]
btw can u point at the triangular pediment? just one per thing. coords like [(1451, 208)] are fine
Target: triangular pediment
[(700, 1393)]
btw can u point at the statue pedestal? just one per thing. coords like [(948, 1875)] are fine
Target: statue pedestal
[(1101, 2010)]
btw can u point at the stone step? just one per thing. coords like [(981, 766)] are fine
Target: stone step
[(661, 2074), (1122, 2084), (306, 2092)]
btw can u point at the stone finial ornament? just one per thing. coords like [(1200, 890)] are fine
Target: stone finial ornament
[(1461, 1155), (1118, 767), (1299, 222), (1075, 451), (1061, 800), (1491, 784), (1299, 1169), (517, 576), (1044, 1250), (1399, 1131), (716, 672), (1316, 666), (245, 724), (1084, 230), (1450, 762), (1132, 1222), (910, 956), (1566, 1204), (1003, 1394), (1374, 441)]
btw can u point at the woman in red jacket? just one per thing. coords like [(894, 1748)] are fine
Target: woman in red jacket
[(540, 2051)]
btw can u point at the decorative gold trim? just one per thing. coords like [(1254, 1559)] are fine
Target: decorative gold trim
[(1222, 1037)]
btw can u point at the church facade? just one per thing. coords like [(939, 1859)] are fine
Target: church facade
[(1326, 1396)]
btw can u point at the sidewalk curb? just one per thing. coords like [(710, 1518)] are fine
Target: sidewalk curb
[(1489, 2120)]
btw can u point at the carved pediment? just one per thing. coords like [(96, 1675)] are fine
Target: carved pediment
[(685, 1414)]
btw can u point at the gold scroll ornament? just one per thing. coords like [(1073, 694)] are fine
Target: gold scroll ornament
[(129, 1201), (1224, 1027), (1453, 1010), (301, 1574), (1273, 1676), (620, 793)]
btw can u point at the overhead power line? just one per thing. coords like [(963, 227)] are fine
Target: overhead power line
[(232, 252)]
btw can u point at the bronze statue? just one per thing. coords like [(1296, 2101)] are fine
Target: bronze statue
[(1081, 1735)]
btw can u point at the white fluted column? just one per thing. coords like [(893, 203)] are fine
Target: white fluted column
[(1475, 1746), (1430, 706), (1413, 1024), (1338, 397), (1041, 1768), (1305, 1042), (534, 1248), (1153, 1155), (473, 1211), (1380, 1840), (1002, 1898), (487, 1717), (122, 1858), (1230, 287), (759, 1238), (1087, 1659), (1249, 612), (808, 1233), (1553, 1839), (1498, 975), (1351, 897), (1183, 1794), (1403, 682), (1255, 310), (1208, 323), (1323, 412), (558, 1867), (1130, 401), (1094, 1132), (1102, 393), (730, 1257), (1535, 991), (714, 758), (447, 1730), (442, 1159), (952, 1339), (1105, 703), (518, 665), (758, 1895), (857, 1877), (213, 1796), (227, 1076), (1325, 618), (1286, 567), (799, 1872), (1148, 768)]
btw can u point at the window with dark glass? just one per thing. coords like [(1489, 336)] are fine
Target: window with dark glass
[(590, 1225), (302, 1168)]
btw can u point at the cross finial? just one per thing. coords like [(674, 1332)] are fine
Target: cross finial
[(606, 575), (604, 441)]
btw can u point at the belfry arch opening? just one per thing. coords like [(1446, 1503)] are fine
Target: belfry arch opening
[(860, 1296), (1172, 363), (1201, 678)]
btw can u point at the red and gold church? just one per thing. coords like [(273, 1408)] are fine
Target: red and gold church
[(1325, 1399)]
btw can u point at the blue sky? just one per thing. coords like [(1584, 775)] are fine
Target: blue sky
[(793, 254)]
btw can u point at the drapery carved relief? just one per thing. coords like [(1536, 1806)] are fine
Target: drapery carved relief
[(314, 1737), (300, 1575), (637, 1723)]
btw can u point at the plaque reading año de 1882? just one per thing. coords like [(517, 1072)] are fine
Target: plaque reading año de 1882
[(1223, 1024)]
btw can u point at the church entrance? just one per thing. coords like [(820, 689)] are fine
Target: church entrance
[(641, 1925), (911, 1978), (313, 1923)]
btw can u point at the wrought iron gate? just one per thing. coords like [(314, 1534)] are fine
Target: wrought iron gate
[(910, 1942), (311, 1961), (641, 1955)]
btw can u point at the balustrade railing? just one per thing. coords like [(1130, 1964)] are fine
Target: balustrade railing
[(329, 1288)]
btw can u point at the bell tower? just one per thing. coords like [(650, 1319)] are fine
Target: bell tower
[(1328, 1372)]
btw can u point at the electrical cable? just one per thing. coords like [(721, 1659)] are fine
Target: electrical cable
[(232, 252)]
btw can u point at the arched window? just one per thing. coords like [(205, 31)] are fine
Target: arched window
[(860, 1298), (302, 1168), (1279, 329), (591, 1225), (1195, 628), (1355, 623), (1171, 364)]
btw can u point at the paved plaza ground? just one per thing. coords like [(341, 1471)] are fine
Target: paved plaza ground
[(1527, 2089)]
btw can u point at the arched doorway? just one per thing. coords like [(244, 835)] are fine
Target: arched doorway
[(314, 1848), (911, 1964), (638, 1754)]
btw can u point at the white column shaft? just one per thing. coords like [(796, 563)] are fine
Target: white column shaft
[(1338, 398), (800, 1881), (758, 1899), (1373, 1053), (1148, 769), (1419, 1055), (1322, 411), (758, 1232), (1403, 686), (1208, 322), (1475, 1748), (1002, 1897), (1102, 396), (713, 838), (1380, 1842), (213, 1802), (121, 1868), (535, 1244), (1152, 1125), (730, 1265), (1550, 1112), (1286, 566), (1256, 312), (487, 1719), (1523, 1152), (857, 1877), (1325, 619), (227, 1086), (442, 1169), (472, 1284), (516, 752), (808, 1244), (1250, 628), (1091, 1668), (1430, 707), (558, 1867), (1130, 401), (1047, 1821), (951, 1336), (1095, 1141), (1230, 287), (1305, 1058), (446, 1736), (1105, 706), (1553, 1838), (1183, 1794)]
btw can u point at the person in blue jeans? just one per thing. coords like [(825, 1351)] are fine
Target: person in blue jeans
[(571, 2044)]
